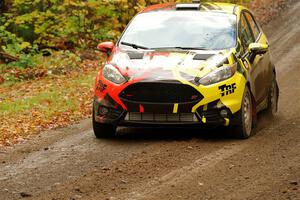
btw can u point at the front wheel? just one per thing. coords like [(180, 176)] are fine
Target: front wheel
[(103, 130), (243, 130)]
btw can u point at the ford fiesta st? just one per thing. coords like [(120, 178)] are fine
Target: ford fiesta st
[(195, 64)]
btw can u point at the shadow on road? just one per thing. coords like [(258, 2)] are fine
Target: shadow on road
[(181, 134), (173, 134)]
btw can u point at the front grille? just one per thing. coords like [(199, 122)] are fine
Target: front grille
[(160, 93), (212, 116), (153, 117)]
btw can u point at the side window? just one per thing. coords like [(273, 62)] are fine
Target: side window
[(245, 33), (253, 25)]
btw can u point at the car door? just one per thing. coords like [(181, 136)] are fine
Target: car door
[(262, 61), (249, 33)]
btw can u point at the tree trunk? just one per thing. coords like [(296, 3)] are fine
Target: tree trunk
[(5, 57)]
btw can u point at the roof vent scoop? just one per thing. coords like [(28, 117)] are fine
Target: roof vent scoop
[(189, 6)]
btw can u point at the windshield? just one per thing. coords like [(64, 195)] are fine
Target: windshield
[(185, 29)]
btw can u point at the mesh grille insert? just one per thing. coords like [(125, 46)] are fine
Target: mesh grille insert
[(160, 93), (153, 117)]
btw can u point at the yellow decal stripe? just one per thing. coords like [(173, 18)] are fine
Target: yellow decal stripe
[(204, 120), (219, 105), (231, 60), (226, 121), (175, 109), (205, 107)]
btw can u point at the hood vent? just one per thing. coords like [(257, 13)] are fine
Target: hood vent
[(202, 56), (134, 55)]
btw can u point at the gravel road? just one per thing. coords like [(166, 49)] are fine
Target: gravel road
[(70, 163)]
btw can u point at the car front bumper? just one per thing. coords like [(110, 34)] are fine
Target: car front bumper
[(219, 106)]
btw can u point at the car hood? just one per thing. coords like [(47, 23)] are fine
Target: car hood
[(167, 65)]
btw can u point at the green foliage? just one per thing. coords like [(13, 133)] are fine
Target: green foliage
[(24, 61), (59, 61), (11, 43), (54, 23)]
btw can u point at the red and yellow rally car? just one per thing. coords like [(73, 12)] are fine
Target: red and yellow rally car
[(194, 64)]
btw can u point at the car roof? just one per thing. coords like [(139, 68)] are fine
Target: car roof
[(204, 7)]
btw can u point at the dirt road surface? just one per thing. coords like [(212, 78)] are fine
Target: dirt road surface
[(71, 163)]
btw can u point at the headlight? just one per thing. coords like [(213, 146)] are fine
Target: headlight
[(220, 74), (112, 74)]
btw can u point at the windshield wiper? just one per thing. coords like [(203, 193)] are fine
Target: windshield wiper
[(182, 48), (191, 48), (135, 46)]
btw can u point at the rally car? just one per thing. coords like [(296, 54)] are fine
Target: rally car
[(186, 64)]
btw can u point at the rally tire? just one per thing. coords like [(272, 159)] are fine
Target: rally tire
[(104, 130), (244, 127), (273, 99)]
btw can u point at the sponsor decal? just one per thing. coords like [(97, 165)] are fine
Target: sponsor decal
[(227, 89), (101, 87)]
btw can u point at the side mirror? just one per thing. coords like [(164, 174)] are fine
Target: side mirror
[(106, 47), (258, 48)]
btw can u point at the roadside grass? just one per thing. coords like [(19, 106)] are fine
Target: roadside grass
[(29, 107)]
